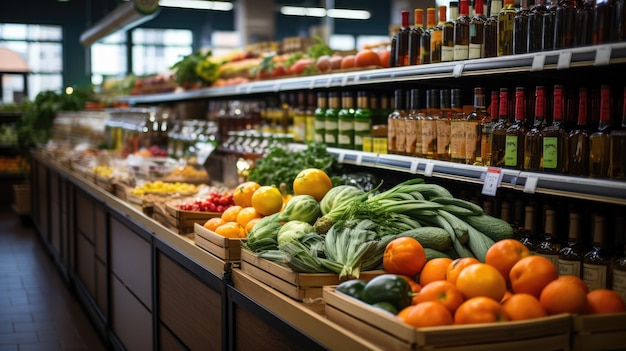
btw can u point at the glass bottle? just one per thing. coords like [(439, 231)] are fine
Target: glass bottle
[(619, 266), (554, 136), (596, 261), (413, 144), (520, 29), (402, 41), (571, 254), (436, 36), (584, 23), (548, 26), (331, 120), (320, 117), (578, 140), (447, 41), (506, 18), (477, 32), (617, 28), (474, 130), (533, 140), (430, 25), (491, 29), (535, 26), (429, 124), (362, 120), (461, 33), (443, 126), (565, 24), (397, 114), (310, 118), (457, 129), (393, 48), (528, 234), (617, 165), (599, 141), (549, 247), (345, 127), (514, 148), (498, 142), (601, 22), (415, 38), (299, 119)]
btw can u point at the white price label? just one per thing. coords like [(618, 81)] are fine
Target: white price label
[(428, 170), (414, 165), (531, 184), (603, 56), (458, 70), (359, 159), (493, 177), (565, 58), (341, 157), (538, 62)]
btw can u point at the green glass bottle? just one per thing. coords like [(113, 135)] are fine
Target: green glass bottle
[(362, 120), (345, 127), (331, 120), (320, 118)]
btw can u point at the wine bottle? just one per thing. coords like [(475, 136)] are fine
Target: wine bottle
[(601, 22), (565, 24), (426, 35), (345, 127), (520, 29), (549, 247), (506, 18), (528, 234), (320, 117), (397, 113), (331, 120), (447, 42), (436, 36), (415, 38), (491, 29), (617, 164), (498, 143), (548, 26), (514, 152), (457, 129), (443, 125), (429, 124), (476, 32), (402, 42), (473, 129), (362, 120), (578, 140), (533, 139), (571, 254), (584, 23), (461, 33), (413, 144), (554, 140), (596, 262), (535, 26), (599, 141)]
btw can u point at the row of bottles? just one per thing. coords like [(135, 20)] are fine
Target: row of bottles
[(499, 28), (583, 246)]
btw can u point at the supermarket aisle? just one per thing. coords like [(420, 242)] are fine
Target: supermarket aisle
[(37, 310)]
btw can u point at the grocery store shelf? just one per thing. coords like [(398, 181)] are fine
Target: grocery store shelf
[(529, 182), (598, 55)]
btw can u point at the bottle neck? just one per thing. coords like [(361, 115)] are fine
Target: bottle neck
[(598, 231), (464, 10), (442, 15), (333, 102), (605, 107), (493, 111), (419, 18), (520, 106), (582, 107), (362, 102), (524, 5), (539, 104), (431, 19), (321, 102), (496, 7), (574, 227), (479, 101), (479, 9), (454, 13), (529, 219), (549, 228), (557, 115), (503, 113)]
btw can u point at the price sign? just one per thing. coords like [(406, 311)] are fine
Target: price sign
[(531, 184), (414, 165), (492, 181), (565, 58), (603, 56), (538, 62), (428, 170)]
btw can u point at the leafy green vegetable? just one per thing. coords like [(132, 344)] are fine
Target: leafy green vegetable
[(319, 49), (292, 231), (195, 68)]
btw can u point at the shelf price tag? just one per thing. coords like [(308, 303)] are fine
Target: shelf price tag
[(538, 62), (603, 56), (359, 159), (341, 157), (565, 58), (414, 165), (458, 70), (493, 177), (428, 170), (531, 184)]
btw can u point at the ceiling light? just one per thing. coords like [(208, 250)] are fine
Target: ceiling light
[(322, 12), (123, 17), (348, 14), (198, 4)]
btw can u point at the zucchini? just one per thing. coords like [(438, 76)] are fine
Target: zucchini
[(430, 191), (478, 243), (495, 228), (431, 237), (454, 203), (433, 253), (459, 227)]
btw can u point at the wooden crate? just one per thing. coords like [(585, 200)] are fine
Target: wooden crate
[(384, 329), (599, 332), (161, 215), (228, 249), (140, 203), (187, 219), (299, 286), (105, 183)]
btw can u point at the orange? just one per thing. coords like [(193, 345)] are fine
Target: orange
[(348, 61), (563, 296), (384, 56), (481, 279), (267, 200), (251, 224), (230, 214), (605, 301), (231, 230), (213, 223), (504, 254), (531, 274), (312, 181), (404, 256), (366, 58), (523, 306), (246, 215), (480, 310), (456, 266), (576, 280), (242, 196), (441, 291), (434, 270), (426, 314), (507, 294)]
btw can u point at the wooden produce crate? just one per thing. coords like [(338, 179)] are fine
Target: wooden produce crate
[(187, 219), (140, 203), (599, 332), (161, 215), (299, 286), (228, 249), (105, 183), (387, 331)]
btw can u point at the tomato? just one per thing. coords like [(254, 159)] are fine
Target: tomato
[(404, 256), (365, 58), (312, 181), (267, 200)]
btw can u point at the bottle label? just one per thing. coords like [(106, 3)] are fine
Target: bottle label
[(594, 276), (472, 140), (443, 137), (457, 139), (475, 51), (461, 52), (619, 283), (550, 152), (429, 137), (330, 135), (362, 126), (569, 267), (411, 136), (400, 135), (391, 134), (309, 133), (344, 140), (345, 133), (552, 258), (299, 128), (447, 53), (510, 153)]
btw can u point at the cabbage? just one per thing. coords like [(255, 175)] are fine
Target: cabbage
[(301, 208), (337, 196), (292, 231)]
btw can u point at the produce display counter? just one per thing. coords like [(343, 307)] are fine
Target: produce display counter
[(148, 288)]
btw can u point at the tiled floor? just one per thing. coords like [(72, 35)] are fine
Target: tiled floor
[(37, 309)]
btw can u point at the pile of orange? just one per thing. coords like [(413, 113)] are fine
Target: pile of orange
[(511, 285)]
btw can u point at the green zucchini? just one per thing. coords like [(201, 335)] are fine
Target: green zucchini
[(431, 237), (495, 228)]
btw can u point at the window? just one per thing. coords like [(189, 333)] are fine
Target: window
[(223, 43), (108, 57), (155, 50), (41, 46)]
